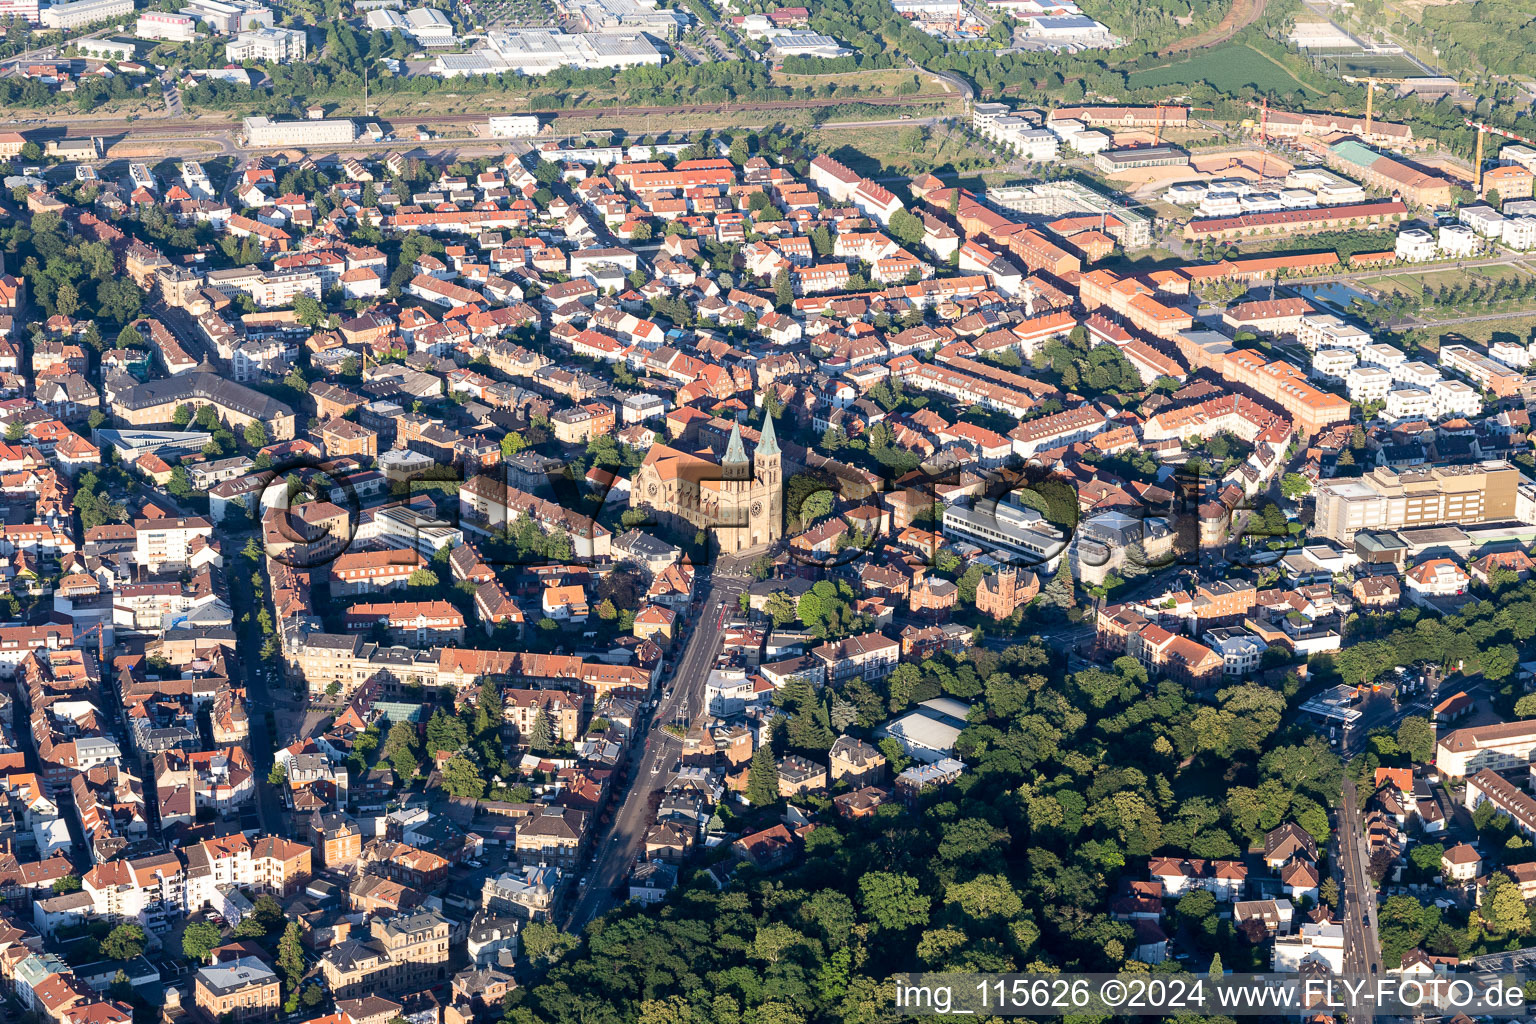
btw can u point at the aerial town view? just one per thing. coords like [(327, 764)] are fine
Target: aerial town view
[(711, 512)]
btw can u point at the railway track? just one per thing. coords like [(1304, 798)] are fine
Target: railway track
[(188, 126)]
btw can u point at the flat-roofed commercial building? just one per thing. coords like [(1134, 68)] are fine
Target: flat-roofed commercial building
[(176, 28), (1052, 199), (1385, 499), (263, 131), (278, 45), (27, 10), (1113, 161), (78, 13)]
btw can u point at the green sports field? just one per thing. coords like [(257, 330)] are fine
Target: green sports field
[(1228, 68)]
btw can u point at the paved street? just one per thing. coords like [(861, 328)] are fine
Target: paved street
[(1357, 903), (264, 740), (654, 754)]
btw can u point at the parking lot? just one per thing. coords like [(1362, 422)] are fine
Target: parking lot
[(1518, 961), (514, 13)]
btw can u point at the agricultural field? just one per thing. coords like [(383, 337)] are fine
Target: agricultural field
[(1229, 68)]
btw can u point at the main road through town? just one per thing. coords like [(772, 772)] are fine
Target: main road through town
[(1357, 901), (655, 752)]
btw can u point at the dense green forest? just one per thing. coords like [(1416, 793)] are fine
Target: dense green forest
[(1073, 780)]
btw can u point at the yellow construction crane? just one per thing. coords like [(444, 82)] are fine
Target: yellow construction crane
[(1371, 82), (1477, 160), (1370, 92)]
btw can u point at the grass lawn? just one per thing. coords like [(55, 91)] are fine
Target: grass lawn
[(1229, 68), (1190, 136), (1346, 243), (1415, 283), (890, 82), (887, 150), (1516, 328), (1143, 261)]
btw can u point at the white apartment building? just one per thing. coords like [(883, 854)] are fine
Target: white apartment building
[(1368, 384), (1324, 330), (138, 173), (1333, 362), (269, 288), (1417, 373), (1458, 241), (26, 10), (229, 18), (984, 114), (1221, 204), (1414, 245), (196, 179), (76, 14), (1498, 747), (1186, 193), (1035, 144), (149, 891), (276, 45), (1384, 356), (1516, 155), (1520, 233), (1410, 403), (1456, 398), (174, 28), (1261, 202), (1079, 136), (1331, 189), (994, 121), (1516, 357), (1483, 219), (267, 864), (1321, 944), (255, 360), (168, 542)]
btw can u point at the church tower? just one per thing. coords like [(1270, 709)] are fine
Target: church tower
[(735, 487), (734, 466), (769, 470)]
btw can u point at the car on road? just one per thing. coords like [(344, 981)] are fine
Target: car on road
[(656, 768)]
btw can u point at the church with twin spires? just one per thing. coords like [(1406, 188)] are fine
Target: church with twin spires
[(740, 500)]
